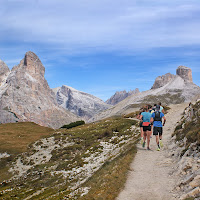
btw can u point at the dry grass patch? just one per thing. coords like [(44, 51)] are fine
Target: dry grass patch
[(15, 137)]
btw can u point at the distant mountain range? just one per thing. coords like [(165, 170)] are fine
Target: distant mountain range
[(26, 96), (119, 96), (169, 89), (80, 103)]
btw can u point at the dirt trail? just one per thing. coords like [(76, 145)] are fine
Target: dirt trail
[(149, 177)]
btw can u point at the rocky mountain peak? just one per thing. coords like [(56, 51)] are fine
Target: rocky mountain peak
[(32, 65), (82, 104), (26, 96), (162, 80), (185, 73), (121, 95)]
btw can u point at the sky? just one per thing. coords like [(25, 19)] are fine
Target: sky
[(103, 46)]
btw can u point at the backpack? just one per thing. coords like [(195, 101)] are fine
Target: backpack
[(157, 116)]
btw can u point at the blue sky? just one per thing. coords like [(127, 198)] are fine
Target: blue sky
[(103, 46)]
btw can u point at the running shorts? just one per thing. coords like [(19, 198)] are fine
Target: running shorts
[(157, 130), (141, 124), (147, 128)]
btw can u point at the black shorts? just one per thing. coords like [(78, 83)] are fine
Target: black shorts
[(141, 124), (157, 130), (147, 128)]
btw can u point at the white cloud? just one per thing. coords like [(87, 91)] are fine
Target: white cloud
[(92, 25)]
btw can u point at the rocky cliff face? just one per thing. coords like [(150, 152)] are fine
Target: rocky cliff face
[(119, 96), (162, 80), (185, 73), (25, 96), (4, 71), (80, 103)]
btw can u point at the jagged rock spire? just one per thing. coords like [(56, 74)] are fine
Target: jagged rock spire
[(33, 64), (185, 73)]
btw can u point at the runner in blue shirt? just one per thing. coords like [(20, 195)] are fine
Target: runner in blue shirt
[(156, 119)]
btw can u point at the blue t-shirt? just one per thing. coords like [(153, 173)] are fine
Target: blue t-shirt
[(146, 116), (157, 123)]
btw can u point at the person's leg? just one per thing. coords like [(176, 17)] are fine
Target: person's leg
[(155, 132), (151, 131), (145, 136), (142, 134), (148, 139), (160, 136), (157, 139)]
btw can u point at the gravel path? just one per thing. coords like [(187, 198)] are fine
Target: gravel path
[(149, 177)]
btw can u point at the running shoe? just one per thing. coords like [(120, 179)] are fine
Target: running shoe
[(161, 143), (143, 145), (141, 141), (158, 149), (148, 148)]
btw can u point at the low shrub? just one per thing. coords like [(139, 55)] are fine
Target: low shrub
[(73, 124)]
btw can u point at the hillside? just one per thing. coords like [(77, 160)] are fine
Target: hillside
[(186, 152), (70, 163), (15, 139)]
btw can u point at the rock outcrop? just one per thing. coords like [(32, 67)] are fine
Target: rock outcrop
[(185, 73), (4, 71), (186, 153), (119, 96), (80, 103), (25, 96), (162, 80)]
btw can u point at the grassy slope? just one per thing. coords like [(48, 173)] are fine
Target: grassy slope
[(109, 180), (15, 139), (84, 138)]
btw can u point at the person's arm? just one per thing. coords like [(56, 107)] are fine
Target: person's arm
[(151, 120), (140, 118), (164, 121)]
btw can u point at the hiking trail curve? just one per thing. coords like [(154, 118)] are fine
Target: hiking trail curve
[(150, 176)]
